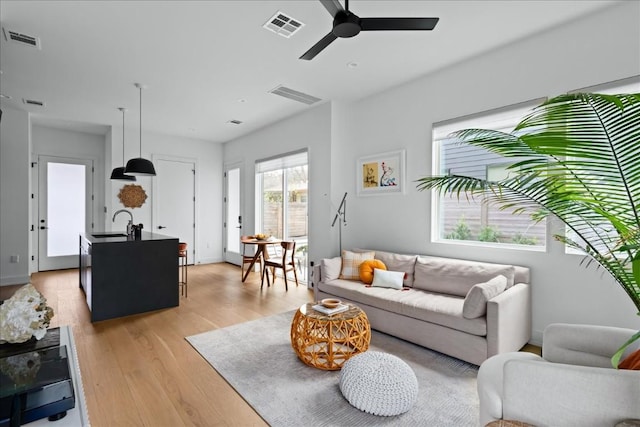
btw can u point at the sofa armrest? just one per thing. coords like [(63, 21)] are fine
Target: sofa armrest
[(509, 320), (586, 345), (556, 394)]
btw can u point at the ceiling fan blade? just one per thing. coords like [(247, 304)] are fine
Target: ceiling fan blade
[(333, 6), (318, 47), (394, 24)]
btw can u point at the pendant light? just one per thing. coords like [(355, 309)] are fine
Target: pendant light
[(138, 165), (118, 173)]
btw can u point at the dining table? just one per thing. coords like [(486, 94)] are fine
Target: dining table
[(261, 250)]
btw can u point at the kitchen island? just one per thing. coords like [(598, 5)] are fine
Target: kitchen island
[(122, 275)]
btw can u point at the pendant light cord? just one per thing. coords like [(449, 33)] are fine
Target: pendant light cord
[(140, 120), (123, 136)]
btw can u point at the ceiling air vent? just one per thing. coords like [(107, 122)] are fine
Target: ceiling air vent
[(283, 25), (294, 95), (33, 102), (234, 122), (23, 39)]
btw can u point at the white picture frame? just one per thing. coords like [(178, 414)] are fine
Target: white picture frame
[(381, 174)]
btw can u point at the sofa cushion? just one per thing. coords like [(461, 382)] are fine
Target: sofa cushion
[(387, 279), (456, 276), (440, 309), (330, 268), (399, 262), (367, 267), (351, 262), (475, 303)]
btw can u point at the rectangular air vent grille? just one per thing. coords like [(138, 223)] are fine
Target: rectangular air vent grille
[(23, 39), (33, 102), (283, 25), (294, 95)]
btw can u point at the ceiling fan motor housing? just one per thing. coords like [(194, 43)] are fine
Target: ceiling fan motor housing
[(346, 24)]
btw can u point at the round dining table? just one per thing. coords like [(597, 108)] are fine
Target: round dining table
[(261, 250)]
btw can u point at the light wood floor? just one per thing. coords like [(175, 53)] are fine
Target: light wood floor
[(140, 371)]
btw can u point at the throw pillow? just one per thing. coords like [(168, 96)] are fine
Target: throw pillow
[(367, 267), (475, 303), (387, 279), (331, 268), (351, 262), (632, 361)]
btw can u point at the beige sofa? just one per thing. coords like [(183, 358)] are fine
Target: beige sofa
[(429, 310)]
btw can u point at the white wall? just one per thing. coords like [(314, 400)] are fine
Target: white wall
[(312, 130), (208, 158), (599, 48), (560, 60), (15, 142)]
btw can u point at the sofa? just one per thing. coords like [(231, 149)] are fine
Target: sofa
[(431, 308), (572, 384)]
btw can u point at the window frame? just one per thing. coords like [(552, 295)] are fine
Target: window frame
[(519, 109)]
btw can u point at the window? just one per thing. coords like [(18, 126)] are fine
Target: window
[(282, 202), (473, 220), (629, 85)]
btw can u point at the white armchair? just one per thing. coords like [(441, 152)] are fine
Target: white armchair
[(572, 384)]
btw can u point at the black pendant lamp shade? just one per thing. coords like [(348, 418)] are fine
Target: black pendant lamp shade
[(118, 173), (138, 165)]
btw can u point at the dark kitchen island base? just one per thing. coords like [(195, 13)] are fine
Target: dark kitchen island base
[(122, 276)]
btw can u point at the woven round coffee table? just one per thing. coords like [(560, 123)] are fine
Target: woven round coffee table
[(327, 341)]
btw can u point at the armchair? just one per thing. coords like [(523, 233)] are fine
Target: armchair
[(572, 384)]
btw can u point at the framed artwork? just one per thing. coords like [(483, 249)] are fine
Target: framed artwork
[(381, 173)]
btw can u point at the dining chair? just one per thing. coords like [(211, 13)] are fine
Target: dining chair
[(286, 262), (247, 257)]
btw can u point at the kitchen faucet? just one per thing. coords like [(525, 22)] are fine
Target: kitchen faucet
[(129, 225)]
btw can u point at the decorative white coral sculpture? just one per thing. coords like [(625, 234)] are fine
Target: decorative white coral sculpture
[(24, 315)]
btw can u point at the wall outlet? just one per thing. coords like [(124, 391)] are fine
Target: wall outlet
[(15, 258)]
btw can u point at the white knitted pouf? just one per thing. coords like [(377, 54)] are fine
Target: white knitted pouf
[(379, 383)]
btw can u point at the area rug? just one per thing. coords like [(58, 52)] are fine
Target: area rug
[(257, 360)]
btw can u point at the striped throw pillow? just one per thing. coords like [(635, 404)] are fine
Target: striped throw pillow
[(351, 262)]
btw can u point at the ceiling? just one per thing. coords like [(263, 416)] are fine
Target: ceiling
[(207, 62)]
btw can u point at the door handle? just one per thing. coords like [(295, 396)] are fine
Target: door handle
[(42, 227), (160, 227)]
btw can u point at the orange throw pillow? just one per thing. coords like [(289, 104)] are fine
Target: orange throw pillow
[(367, 267), (632, 361)]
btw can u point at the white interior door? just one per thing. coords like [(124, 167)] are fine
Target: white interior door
[(174, 201), (65, 188), (233, 214)]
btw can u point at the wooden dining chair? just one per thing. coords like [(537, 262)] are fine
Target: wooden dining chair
[(246, 256), (287, 262)]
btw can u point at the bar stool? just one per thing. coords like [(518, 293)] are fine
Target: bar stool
[(182, 265)]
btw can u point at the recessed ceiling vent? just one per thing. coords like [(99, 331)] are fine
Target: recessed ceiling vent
[(23, 39), (283, 25), (234, 122), (294, 95), (33, 102)]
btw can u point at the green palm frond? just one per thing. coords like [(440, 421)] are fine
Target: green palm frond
[(576, 157)]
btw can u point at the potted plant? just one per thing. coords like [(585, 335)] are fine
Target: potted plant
[(576, 157)]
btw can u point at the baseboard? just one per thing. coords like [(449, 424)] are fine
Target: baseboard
[(209, 260), (14, 280)]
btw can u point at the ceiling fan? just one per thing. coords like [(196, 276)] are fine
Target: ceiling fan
[(347, 24)]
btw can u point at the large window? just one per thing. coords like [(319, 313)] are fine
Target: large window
[(282, 201), (473, 219), (629, 85)]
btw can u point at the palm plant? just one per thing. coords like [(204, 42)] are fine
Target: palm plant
[(576, 157)]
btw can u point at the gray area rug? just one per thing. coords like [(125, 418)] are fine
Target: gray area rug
[(257, 360)]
